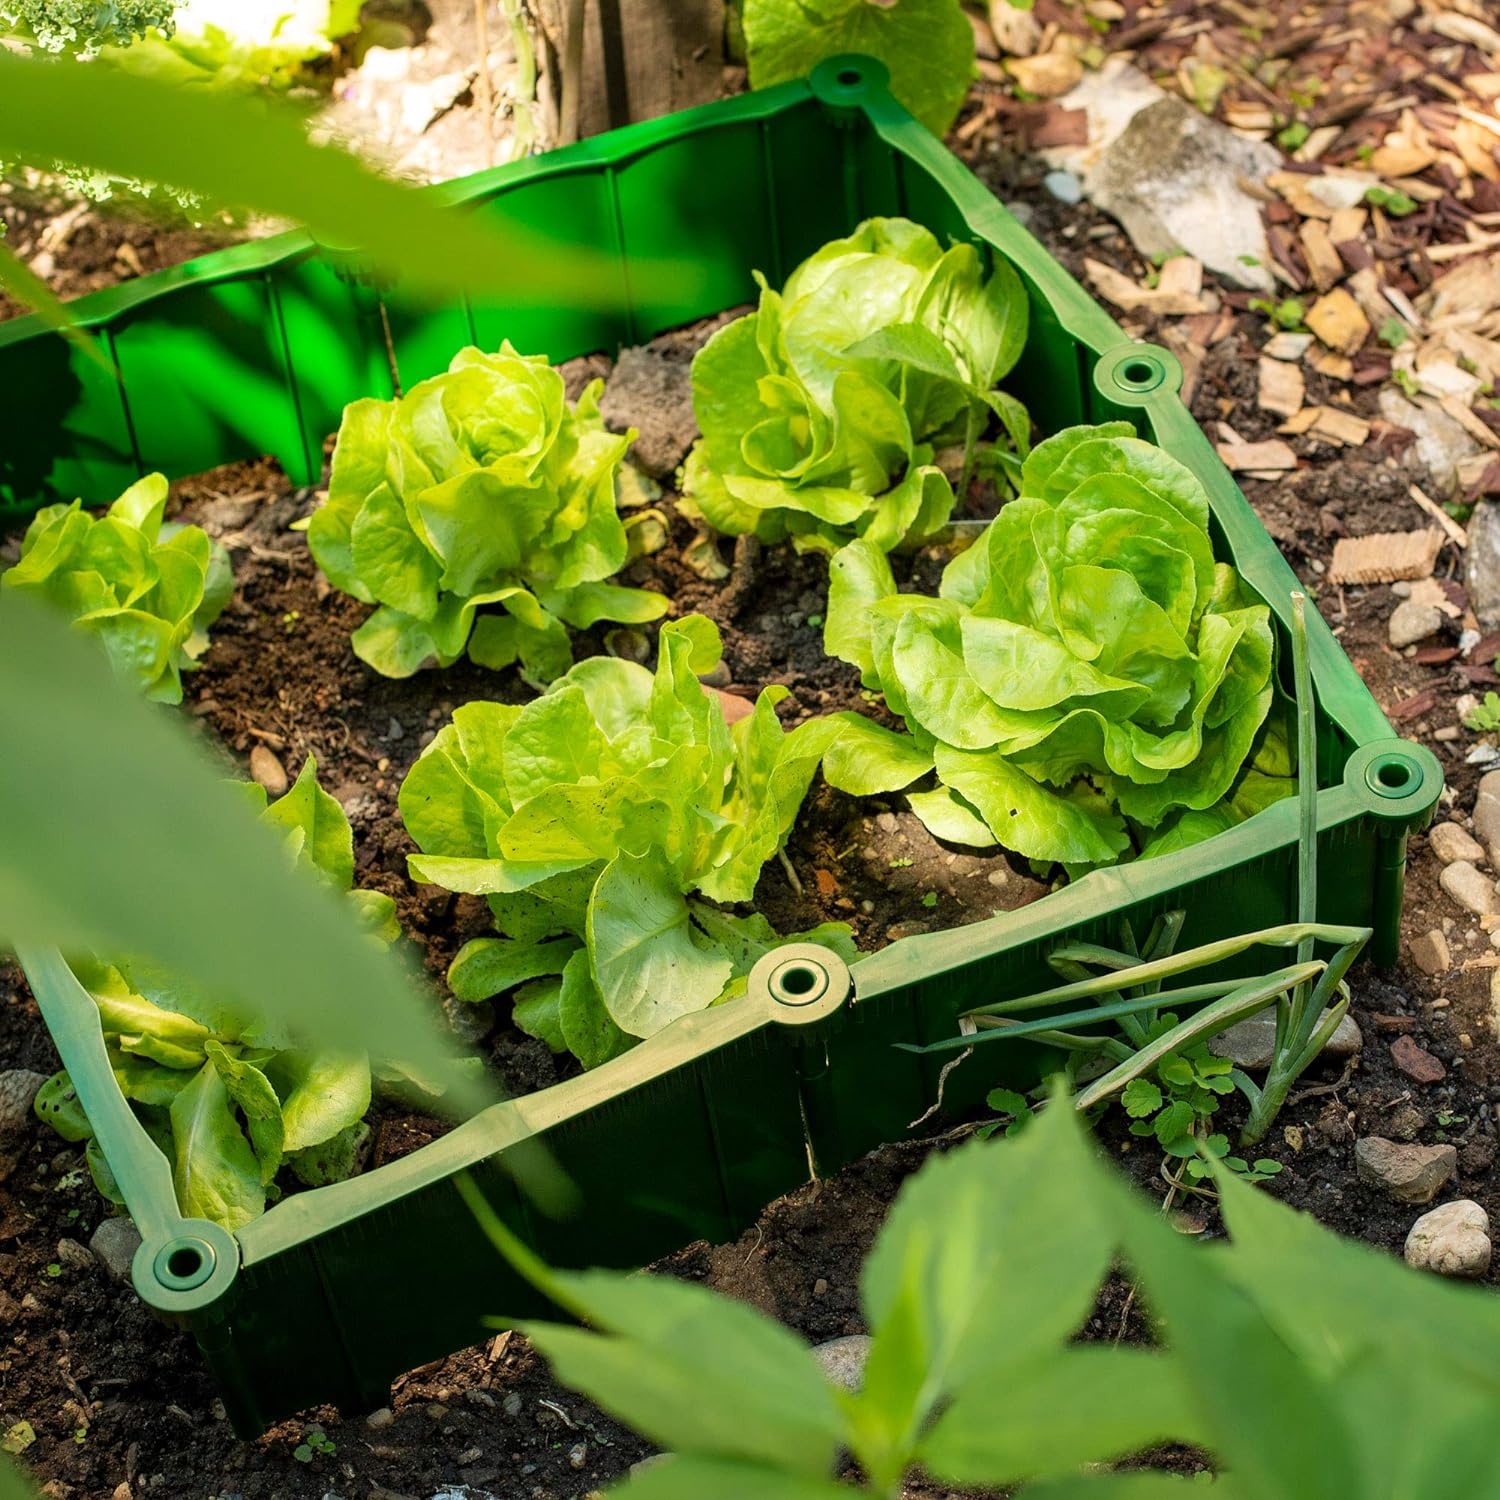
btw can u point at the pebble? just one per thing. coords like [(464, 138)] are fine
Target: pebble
[(1430, 952), (898, 930), (578, 1455), (1416, 1062), (1450, 842), (886, 822), (114, 1245), (843, 1360), (1471, 888), (1453, 1240), (511, 1405), (1412, 622), (1063, 186), (1410, 1174), (73, 1256), (1250, 1043), (382, 1416), (1487, 812), (122, 1491), (268, 771), (820, 1287), (18, 1090)]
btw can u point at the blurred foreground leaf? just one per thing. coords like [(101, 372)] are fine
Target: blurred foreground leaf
[(247, 153), (120, 837)]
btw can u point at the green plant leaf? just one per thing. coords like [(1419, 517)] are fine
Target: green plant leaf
[(1141, 1098), (215, 1172), (682, 1477), (866, 759), (647, 964), (251, 1091), (234, 151), (321, 1094), (926, 44), (696, 1373), (489, 966)]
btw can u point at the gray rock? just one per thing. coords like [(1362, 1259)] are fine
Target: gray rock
[(1450, 842), (1430, 952), (1063, 186), (1441, 443), (843, 1360), (114, 1245), (18, 1090), (1482, 563), (1249, 1043), (1471, 888), (1487, 812), (1410, 1174), (1412, 622), (1453, 1240), (1172, 179), (381, 1417)]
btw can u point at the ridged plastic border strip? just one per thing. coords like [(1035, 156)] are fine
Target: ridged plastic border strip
[(256, 350)]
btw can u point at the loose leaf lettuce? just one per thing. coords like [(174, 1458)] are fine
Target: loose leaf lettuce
[(589, 817), (148, 590), (483, 486), (821, 411), (230, 1097), (1090, 678)]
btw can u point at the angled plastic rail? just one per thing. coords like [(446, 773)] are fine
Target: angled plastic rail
[(256, 350)]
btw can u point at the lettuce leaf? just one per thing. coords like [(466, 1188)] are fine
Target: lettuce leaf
[(1091, 682), (821, 412), (148, 589), (590, 817), (233, 1099), (480, 487)]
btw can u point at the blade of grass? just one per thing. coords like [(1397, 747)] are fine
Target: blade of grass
[(24, 286)]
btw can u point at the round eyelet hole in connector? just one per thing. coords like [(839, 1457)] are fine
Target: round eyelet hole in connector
[(799, 981), (1393, 776), (183, 1264)]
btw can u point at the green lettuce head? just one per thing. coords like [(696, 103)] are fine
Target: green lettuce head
[(822, 410), (148, 589), (480, 487), (589, 817), (229, 1099), (1090, 674)]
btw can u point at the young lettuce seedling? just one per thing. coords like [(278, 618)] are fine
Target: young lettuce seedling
[(483, 486), (594, 819), (822, 412), (148, 589), (228, 1096)]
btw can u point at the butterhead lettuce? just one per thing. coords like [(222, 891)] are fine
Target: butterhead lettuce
[(590, 818), (481, 487), (230, 1099), (1088, 675), (821, 411), (148, 589)]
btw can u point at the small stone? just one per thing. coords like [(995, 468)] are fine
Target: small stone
[(898, 930), (886, 822), (476, 1396), (1410, 1174), (122, 1491), (1406, 1123), (1416, 1062), (511, 1405), (1482, 563), (1430, 952), (843, 1360), (1487, 812), (114, 1245), (820, 1287), (1450, 842), (1412, 622), (1471, 888), (1453, 1240), (998, 877), (73, 1256), (1249, 1043), (268, 771), (18, 1090), (578, 1455), (381, 1417), (1063, 186)]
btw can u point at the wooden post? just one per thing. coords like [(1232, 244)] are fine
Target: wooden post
[(610, 62)]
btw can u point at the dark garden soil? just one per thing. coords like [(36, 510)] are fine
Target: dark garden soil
[(117, 1399)]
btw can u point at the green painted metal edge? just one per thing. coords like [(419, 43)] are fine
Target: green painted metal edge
[(792, 1073)]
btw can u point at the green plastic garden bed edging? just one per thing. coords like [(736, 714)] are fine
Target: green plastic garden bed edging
[(256, 350)]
